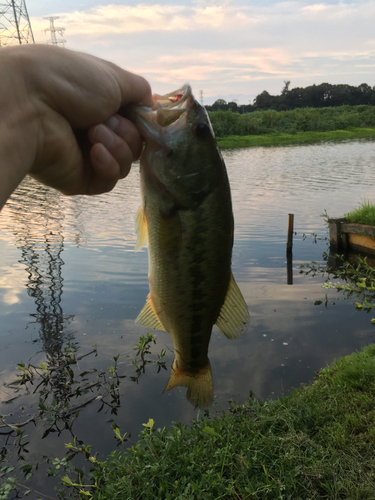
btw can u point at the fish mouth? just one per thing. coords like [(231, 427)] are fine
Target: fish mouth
[(176, 99), (170, 107), (166, 111)]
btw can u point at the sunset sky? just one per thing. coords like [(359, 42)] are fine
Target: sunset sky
[(229, 49)]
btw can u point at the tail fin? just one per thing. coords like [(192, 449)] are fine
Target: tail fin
[(200, 391)]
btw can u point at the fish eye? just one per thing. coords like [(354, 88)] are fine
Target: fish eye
[(202, 130)]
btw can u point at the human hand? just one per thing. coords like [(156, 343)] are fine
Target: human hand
[(62, 125)]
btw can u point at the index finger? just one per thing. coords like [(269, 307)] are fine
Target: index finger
[(134, 88)]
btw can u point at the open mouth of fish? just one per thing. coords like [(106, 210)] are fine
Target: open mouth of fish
[(167, 109)]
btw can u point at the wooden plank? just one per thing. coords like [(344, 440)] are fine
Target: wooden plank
[(362, 243), (362, 229)]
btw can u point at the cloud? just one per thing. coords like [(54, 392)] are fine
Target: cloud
[(226, 47)]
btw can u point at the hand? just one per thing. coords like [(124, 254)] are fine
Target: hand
[(61, 122)]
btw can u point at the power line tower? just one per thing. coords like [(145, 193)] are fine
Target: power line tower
[(52, 28), (15, 27), (201, 96)]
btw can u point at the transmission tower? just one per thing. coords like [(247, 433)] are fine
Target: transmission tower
[(201, 96), (15, 27), (52, 28)]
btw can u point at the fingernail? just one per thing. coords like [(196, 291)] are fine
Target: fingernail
[(104, 136), (112, 122)]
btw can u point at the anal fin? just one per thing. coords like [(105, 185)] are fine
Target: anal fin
[(234, 315)]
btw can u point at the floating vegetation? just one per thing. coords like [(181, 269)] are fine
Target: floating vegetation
[(143, 349), (356, 280)]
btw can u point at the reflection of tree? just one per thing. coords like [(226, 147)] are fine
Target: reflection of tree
[(38, 231)]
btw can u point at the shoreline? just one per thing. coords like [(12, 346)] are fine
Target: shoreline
[(316, 442), (281, 139)]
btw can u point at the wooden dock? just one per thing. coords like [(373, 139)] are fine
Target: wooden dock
[(347, 236)]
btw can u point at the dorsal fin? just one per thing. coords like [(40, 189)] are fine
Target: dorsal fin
[(234, 315), (148, 317), (141, 229)]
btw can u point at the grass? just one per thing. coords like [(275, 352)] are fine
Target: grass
[(276, 139), (316, 443), (365, 214)]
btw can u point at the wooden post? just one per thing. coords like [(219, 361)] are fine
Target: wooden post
[(289, 268), (335, 233), (289, 241), (289, 244)]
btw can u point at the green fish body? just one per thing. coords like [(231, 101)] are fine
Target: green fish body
[(186, 219)]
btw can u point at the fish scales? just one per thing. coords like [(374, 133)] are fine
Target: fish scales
[(186, 217)]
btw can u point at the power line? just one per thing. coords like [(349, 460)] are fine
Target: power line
[(52, 28), (15, 27)]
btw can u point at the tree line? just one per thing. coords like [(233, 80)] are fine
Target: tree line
[(313, 96)]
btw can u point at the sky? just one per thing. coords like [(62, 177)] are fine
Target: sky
[(230, 49)]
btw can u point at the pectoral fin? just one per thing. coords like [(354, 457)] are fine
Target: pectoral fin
[(234, 315), (141, 229), (148, 317)]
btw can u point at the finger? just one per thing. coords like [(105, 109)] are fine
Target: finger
[(115, 145), (134, 88), (106, 170), (125, 129)]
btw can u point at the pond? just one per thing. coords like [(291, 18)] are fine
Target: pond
[(69, 273)]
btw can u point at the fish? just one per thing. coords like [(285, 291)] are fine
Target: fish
[(186, 219)]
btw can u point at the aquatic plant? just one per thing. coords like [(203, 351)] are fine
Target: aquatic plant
[(63, 390), (356, 280)]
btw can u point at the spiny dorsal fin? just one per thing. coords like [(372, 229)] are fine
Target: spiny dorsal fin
[(234, 316), (141, 229), (200, 390), (148, 317)]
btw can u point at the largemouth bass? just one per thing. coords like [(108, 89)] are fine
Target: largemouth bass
[(186, 219)]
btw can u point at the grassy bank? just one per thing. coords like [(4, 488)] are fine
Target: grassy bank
[(316, 443), (277, 139), (365, 214)]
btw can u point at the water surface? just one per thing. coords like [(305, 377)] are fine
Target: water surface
[(68, 271)]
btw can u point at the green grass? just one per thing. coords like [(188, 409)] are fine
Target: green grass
[(365, 214), (316, 443), (277, 139)]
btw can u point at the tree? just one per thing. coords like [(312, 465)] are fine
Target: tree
[(263, 100), (286, 87)]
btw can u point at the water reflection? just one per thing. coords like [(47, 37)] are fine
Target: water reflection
[(105, 282), (38, 233)]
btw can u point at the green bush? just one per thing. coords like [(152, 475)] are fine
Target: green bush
[(226, 123)]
